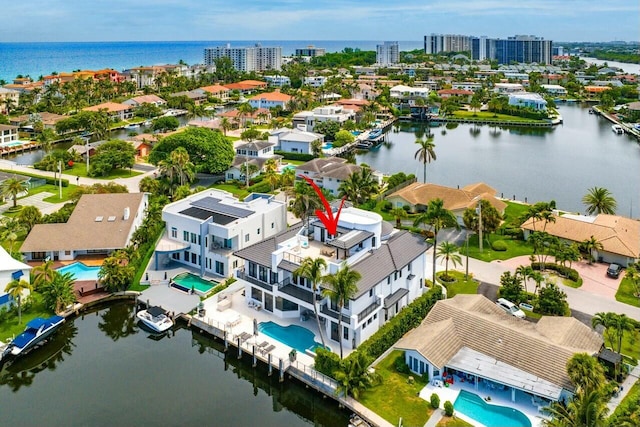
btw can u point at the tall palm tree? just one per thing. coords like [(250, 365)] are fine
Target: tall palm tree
[(590, 246), (287, 180), (43, 274), (449, 252), (586, 409), (438, 218), (16, 288), (425, 154), (399, 214), (359, 186), (606, 321), (12, 187), (313, 269), (225, 125), (183, 167), (599, 200), (585, 372), (10, 228), (525, 272), (341, 287)]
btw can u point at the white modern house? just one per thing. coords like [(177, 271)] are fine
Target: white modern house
[(295, 140), (278, 80), (508, 87), (204, 230), (554, 89), (527, 99), (391, 264), (251, 153), (406, 92), (314, 81), (10, 269), (8, 134), (306, 120)]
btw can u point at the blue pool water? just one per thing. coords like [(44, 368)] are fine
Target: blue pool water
[(327, 146), (474, 407), (294, 336), (80, 271)]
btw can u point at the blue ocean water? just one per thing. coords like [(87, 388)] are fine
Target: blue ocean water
[(42, 58)]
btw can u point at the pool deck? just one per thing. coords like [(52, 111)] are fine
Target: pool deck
[(501, 398)]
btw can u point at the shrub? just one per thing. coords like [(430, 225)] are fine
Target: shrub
[(499, 245), (326, 361), (400, 365), (563, 271), (448, 408), (407, 208), (386, 206), (295, 156), (260, 187), (435, 401)]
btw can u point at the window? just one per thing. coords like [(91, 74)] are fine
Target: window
[(371, 292), (220, 268), (246, 237), (199, 240), (409, 266), (395, 275), (174, 232), (235, 263), (252, 269), (258, 232), (436, 372), (345, 332), (285, 305), (186, 256), (199, 260), (256, 294), (389, 280), (375, 316), (193, 258), (67, 252), (273, 225), (193, 237), (185, 236), (262, 273)]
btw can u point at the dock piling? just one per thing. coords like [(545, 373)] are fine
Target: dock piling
[(281, 368), (270, 364), (239, 349), (253, 350)]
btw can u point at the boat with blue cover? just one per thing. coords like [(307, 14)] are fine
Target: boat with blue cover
[(37, 330), (375, 133)]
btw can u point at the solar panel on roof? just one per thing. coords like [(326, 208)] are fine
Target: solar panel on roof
[(212, 204)]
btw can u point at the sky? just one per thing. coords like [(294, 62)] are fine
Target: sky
[(159, 20)]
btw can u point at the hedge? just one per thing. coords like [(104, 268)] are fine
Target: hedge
[(260, 187), (48, 179), (563, 271), (295, 156), (408, 318)]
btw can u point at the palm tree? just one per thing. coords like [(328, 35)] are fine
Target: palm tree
[(525, 272), (116, 272), (312, 270), (425, 154), (586, 409), (359, 186), (16, 288), (225, 125), (59, 293), (353, 376), (12, 187), (43, 274), (538, 278), (149, 184), (29, 216), (438, 218), (590, 246), (621, 323), (399, 214), (606, 321), (599, 200), (287, 179), (11, 227), (184, 169), (449, 252), (585, 372), (341, 287)]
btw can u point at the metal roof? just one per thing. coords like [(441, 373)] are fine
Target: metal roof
[(350, 239), (213, 204), (395, 297)]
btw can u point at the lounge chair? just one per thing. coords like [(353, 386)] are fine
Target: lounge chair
[(245, 336), (263, 344), (268, 349)]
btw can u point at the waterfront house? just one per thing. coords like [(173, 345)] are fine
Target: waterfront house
[(555, 90), (619, 236), (505, 88), (99, 224), (198, 97), (306, 120), (295, 140), (8, 134), (145, 99), (259, 116), (10, 269), (330, 172), (470, 339), (204, 229), (391, 263), (418, 195), (278, 80), (118, 112), (270, 100), (246, 86), (216, 91), (8, 97), (145, 76), (403, 92), (48, 120), (464, 94), (251, 153), (534, 101)]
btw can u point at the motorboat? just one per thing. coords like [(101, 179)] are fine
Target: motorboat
[(155, 318), (617, 129), (375, 133), (37, 330), (132, 126)]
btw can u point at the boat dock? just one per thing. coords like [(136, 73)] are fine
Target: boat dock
[(626, 128), (364, 140), (23, 147)]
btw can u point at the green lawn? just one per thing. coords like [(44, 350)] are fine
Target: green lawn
[(240, 193), (514, 248), (395, 398), (453, 422), (460, 285), (80, 169), (67, 192), (631, 344), (488, 116), (514, 210), (629, 406), (625, 293), (11, 328)]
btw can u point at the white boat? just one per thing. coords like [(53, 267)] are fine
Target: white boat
[(155, 318), (617, 129), (132, 126), (37, 330)]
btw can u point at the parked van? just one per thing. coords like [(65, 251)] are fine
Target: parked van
[(510, 308)]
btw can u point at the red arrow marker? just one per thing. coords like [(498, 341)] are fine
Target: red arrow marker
[(327, 219)]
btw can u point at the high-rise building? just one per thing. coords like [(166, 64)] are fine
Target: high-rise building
[(519, 48), (311, 51), (387, 53), (247, 59)]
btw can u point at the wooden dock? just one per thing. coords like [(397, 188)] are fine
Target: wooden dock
[(20, 149), (628, 129)]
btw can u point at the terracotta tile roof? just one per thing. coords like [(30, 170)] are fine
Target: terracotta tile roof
[(454, 199), (475, 322), (618, 235), (272, 96), (151, 99), (82, 231), (215, 89), (111, 107)]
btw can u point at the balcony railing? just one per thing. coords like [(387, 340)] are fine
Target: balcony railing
[(324, 309), (370, 309), (242, 275), (293, 258)]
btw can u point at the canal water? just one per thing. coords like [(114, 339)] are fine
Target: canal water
[(536, 164), (102, 369)]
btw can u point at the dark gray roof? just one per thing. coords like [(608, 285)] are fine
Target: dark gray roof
[(318, 223), (395, 297), (288, 266), (316, 165), (350, 239), (260, 252), (394, 254), (213, 204), (255, 145)]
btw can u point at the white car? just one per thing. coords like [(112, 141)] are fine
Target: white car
[(510, 308)]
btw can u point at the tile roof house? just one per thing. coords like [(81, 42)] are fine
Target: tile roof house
[(330, 172), (391, 263), (100, 223), (270, 100), (145, 99), (620, 236), (115, 110), (470, 336), (418, 195), (217, 91)]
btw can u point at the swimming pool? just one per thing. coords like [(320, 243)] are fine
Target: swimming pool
[(80, 271), (12, 144), (473, 406), (294, 336), (188, 281), (327, 146)]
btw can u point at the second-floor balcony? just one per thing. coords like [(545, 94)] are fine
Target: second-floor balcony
[(298, 292), (254, 281), (370, 309), (324, 309)]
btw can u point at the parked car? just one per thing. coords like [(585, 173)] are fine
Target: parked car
[(614, 270), (510, 308)]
